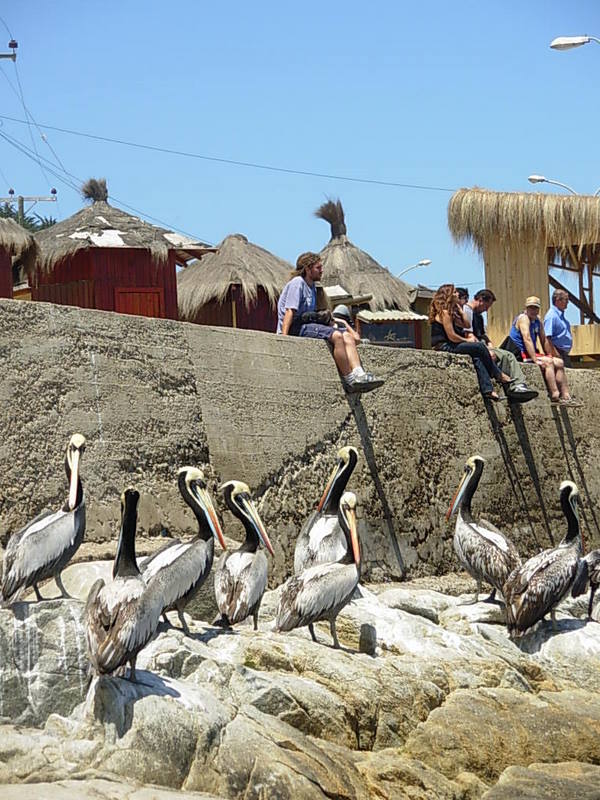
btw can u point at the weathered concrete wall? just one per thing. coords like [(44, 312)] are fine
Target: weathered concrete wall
[(153, 395)]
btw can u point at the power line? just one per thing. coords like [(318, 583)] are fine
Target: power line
[(76, 186), (233, 162)]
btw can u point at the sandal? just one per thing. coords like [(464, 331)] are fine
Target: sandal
[(494, 397), (571, 402)]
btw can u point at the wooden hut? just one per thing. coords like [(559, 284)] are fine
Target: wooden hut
[(236, 287), (16, 242), (529, 243), (388, 319), (104, 258)]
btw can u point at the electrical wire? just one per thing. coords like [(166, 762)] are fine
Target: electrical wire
[(76, 182), (234, 162)]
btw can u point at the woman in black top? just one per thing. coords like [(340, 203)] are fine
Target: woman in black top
[(447, 334)]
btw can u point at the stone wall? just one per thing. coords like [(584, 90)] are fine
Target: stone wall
[(153, 395)]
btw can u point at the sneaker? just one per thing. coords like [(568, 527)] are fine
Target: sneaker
[(367, 382), (519, 393)]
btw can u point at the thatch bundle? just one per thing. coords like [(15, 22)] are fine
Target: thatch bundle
[(237, 261), (17, 242), (514, 219), (103, 225), (347, 265)]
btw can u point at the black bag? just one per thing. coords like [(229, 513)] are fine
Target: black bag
[(321, 317), (512, 347)]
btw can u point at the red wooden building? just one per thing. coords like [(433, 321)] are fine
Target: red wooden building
[(14, 241), (236, 287), (104, 258)]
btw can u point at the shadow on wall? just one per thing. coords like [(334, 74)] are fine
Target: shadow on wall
[(569, 447), (369, 453)]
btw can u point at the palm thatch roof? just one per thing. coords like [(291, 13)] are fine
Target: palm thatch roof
[(484, 217), (237, 261), (347, 265), (103, 225), (17, 241)]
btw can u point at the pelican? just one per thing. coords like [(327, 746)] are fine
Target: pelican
[(538, 586), (182, 567), (322, 540), (483, 550), (44, 547), (320, 592), (122, 616), (588, 570), (241, 575)]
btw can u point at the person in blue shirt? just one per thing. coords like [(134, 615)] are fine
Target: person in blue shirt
[(297, 315), (558, 328), (524, 334)]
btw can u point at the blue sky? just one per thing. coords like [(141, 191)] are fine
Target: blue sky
[(435, 93)]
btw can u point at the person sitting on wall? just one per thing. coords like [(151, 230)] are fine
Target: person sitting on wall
[(448, 335), (522, 340), (463, 299), (558, 328), (297, 315), (517, 390)]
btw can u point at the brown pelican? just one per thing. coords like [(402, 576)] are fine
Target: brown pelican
[(484, 551), (122, 616), (44, 547), (322, 540), (538, 586), (241, 575), (588, 570), (320, 592), (182, 567)]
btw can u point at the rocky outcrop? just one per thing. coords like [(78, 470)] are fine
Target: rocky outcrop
[(446, 707)]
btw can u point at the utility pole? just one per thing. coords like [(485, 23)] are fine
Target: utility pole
[(13, 56), (21, 199)]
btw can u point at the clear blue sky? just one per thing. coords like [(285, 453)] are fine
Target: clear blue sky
[(435, 93)]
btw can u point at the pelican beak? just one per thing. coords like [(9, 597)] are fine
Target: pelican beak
[(457, 495), (350, 515), (74, 478), (205, 501), (258, 524), (330, 483)]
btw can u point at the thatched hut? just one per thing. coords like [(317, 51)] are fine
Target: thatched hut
[(388, 319), (104, 258), (529, 242), (236, 287), (15, 242)]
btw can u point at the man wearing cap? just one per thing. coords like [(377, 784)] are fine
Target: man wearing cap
[(297, 316), (558, 328), (524, 333), (517, 390)]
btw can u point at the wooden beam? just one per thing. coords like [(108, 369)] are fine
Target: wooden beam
[(580, 304)]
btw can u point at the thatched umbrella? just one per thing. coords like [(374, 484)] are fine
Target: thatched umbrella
[(103, 225), (347, 265), (237, 263), (16, 241), (520, 235)]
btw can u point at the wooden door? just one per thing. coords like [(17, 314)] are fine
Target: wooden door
[(143, 302)]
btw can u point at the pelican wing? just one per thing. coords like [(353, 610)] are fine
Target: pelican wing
[(40, 546), (580, 582), (180, 568), (144, 563), (492, 534), (308, 597), (536, 565), (96, 621), (240, 582)]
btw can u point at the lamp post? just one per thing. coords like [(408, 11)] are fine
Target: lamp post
[(543, 179), (424, 262), (569, 42)]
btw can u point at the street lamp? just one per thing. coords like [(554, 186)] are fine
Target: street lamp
[(424, 262), (543, 179), (569, 42)]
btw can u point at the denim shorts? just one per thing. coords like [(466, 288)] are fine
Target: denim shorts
[(314, 330)]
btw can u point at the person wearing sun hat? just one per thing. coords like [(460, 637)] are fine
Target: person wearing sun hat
[(524, 335)]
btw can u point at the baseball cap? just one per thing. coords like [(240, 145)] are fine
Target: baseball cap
[(532, 300)]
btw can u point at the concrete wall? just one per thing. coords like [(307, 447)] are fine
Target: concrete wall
[(154, 395)]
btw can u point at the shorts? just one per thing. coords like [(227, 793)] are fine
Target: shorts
[(314, 330)]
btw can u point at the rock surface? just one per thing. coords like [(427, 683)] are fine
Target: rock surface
[(447, 707)]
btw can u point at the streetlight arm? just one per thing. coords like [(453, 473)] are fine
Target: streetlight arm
[(423, 263), (543, 179)]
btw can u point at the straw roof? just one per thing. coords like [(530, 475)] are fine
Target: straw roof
[(237, 261), (17, 241), (482, 216), (102, 225), (347, 265)]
